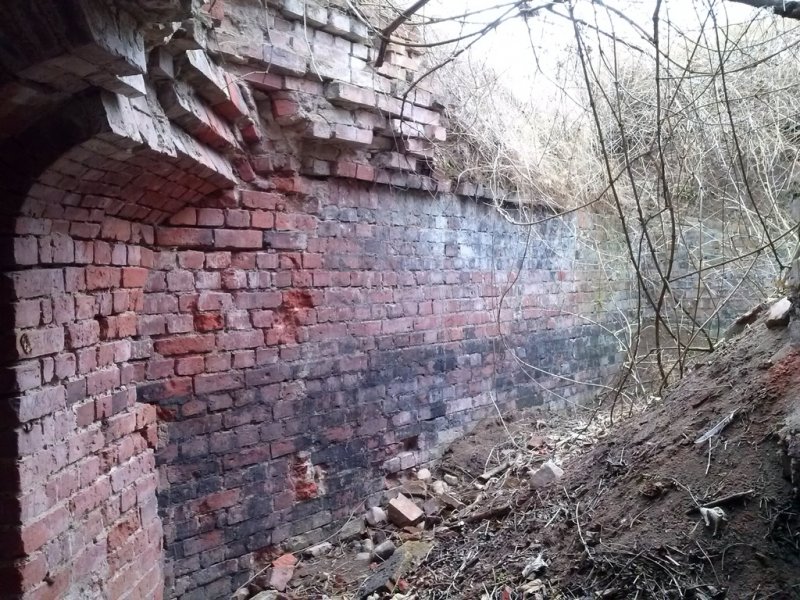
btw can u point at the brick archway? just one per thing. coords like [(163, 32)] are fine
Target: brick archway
[(84, 191)]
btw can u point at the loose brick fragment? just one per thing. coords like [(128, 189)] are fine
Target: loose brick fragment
[(402, 511)]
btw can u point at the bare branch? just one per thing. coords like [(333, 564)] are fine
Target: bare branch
[(392, 27), (790, 10)]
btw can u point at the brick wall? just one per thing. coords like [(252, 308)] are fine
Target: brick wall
[(79, 514), (348, 333), (241, 296), (84, 511)]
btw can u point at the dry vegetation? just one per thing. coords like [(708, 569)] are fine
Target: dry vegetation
[(686, 130)]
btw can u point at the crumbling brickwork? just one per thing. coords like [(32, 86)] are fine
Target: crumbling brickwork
[(238, 294), (296, 365)]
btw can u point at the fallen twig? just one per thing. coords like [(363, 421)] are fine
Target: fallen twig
[(493, 472), (492, 513), (718, 428), (722, 501)]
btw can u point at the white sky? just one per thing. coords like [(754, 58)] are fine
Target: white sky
[(508, 49)]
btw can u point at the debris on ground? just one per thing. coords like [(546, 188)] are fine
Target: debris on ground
[(695, 497)]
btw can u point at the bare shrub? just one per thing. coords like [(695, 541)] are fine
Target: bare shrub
[(687, 132)]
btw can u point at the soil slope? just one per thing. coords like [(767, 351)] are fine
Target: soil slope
[(624, 521)]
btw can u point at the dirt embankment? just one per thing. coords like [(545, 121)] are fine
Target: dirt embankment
[(694, 498), (664, 506)]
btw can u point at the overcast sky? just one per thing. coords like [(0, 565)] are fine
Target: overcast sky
[(508, 49)]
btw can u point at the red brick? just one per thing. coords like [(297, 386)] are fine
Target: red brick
[(262, 200), (214, 301), (49, 526), (26, 251), (191, 365), (184, 237), (180, 281), (89, 231), (103, 380), (210, 217), (39, 342), (262, 219), (37, 282), (244, 359), (208, 383), (248, 300), (83, 333), (219, 500), (267, 82), (27, 313), (32, 571), (208, 321), (191, 259), (286, 241), (237, 218), (74, 279), (244, 169), (91, 497), (234, 279), (102, 277), (235, 340), (179, 323), (204, 542), (243, 260), (102, 252), (285, 109), (127, 323), (218, 260), (152, 324), (187, 216), (85, 413), (185, 344), (116, 229), (134, 277), (238, 238)]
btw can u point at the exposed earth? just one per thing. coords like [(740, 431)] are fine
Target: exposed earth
[(694, 497)]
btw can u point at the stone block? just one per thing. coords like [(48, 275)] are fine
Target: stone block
[(282, 61), (779, 313), (338, 23), (403, 511), (548, 473), (350, 135), (350, 96)]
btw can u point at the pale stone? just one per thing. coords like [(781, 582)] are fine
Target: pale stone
[(450, 479), (779, 313), (402, 511), (376, 515), (384, 550), (282, 571), (439, 487), (546, 474), (319, 549)]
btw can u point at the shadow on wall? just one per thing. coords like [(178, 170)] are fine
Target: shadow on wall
[(82, 198)]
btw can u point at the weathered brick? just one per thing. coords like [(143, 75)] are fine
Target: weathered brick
[(83, 333), (37, 282), (215, 382), (184, 344), (134, 277), (235, 340), (286, 241), (238, 238), (210, 217), (184, 237), (260, 200), (102, 277), (39, 342)]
